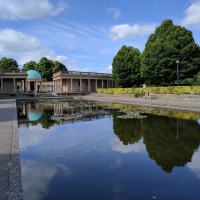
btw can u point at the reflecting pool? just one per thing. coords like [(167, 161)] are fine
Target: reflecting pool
[(105, 157)]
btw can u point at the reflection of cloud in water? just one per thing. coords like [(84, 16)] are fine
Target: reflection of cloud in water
[(117, 188), (117, 145), (117, 164), (194, 165), (36, 177), (33, 136)]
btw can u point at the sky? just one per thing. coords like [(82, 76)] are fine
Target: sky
[(85, 35)]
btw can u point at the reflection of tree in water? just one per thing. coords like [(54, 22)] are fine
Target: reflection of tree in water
[(170, 142), (128, 131), (44, 120)]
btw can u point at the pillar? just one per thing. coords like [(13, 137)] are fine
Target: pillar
[(2, 85), (88, 85), (81, 85), (61, 85), (14, 85), (71, 84), (40, 85), (96, 85)]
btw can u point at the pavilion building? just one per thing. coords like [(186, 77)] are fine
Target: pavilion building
[(63, 81)]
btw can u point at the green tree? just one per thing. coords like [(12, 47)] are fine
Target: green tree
[(126, 67), (8, 64), (47, 67), (166, 45), (31, 65), (58, 67)]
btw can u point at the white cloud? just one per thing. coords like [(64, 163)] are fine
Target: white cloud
[(40, 175), (27, 47), (116, 12), (117, 145), (107, 70), (192, 15), (194, 165), (126, 31), (28, 9)]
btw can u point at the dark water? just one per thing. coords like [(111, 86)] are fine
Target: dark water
[(98, 158)]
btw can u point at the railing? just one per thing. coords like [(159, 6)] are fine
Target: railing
[(81, 73), (13, 72)]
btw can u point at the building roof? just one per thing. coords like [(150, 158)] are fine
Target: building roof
[(33, 74)]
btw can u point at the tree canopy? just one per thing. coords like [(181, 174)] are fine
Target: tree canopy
[(126, 67), (8, 64), (31, 65), (166, 45), (45, 67)]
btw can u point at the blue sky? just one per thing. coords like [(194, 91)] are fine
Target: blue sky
[(85, 35)]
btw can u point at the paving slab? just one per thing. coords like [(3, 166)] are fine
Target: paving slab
[(185, 105), (10, 168)]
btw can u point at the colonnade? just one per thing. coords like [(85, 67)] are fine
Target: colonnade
[(66, 85), (10, 84)]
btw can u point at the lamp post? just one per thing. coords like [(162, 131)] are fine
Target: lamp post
[(177, 72)]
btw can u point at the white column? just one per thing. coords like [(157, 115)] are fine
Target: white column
[(14, 85), (71, 84), (61, 85), (36, 86), (88, 85), (81, 85)]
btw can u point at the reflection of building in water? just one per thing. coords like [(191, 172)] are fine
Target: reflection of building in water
[(28, 112), (72, 107)]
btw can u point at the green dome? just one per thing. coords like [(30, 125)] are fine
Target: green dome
[(33, 116), (33, 74)]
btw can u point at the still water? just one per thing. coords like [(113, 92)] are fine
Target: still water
[(107, 158)]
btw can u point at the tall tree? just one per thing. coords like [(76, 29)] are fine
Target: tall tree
[(45, 68), (58, 67), (168, 44), (8, 64), (126, 67), (31, 65)]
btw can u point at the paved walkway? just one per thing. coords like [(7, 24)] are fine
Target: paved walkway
[(193, 106), (10, 170)]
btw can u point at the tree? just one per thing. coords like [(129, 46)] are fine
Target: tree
[(47, 67), (31, 65), (58, 67), (168, 44), (8, 64), (126, 67)]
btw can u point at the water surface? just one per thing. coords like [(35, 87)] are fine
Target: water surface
[(104, 158)]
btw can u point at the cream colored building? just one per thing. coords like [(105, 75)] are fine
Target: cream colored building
[(63, 81), (72, 81)]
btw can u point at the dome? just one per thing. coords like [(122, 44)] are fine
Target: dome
[(33, 74), (33, 116)]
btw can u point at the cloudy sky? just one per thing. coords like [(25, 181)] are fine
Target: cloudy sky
[(85, 35)]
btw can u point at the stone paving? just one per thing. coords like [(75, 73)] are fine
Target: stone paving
[(10, 169), (175, 104)]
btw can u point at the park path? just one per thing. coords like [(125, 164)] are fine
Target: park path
[(192, 106), (10, 168)]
